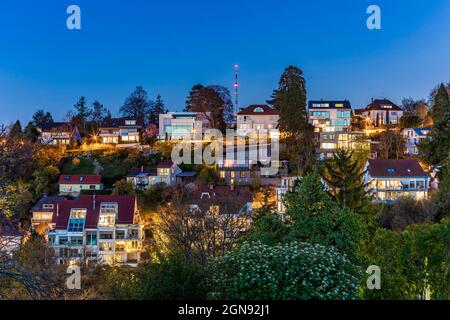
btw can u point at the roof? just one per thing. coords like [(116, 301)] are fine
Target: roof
[(187, 174), (80, 179), (396, 168), (230, 201), (57, 126), (165, 164), (120, 122), (126, 208), (345, 104), (382, 104), (143, 172), (258, 109), (422, 132), (39, 206)]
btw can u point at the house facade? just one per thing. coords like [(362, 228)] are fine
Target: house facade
[(330, 142), (182, 125), (165, 172), (287, 185), (390, 180), (257, 118), (100, 229), (330, 116), (381, 112), (72, 185), (43, 212), (413, 136), (59, 134), (120, 130)]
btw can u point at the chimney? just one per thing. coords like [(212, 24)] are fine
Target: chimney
[(232, 187), (93, 201), (142, 169), (57, 209), (211, 187)]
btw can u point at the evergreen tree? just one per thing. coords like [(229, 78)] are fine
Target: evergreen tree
[(290, 101), (40, 118), (345, 178), (435, 148), (82, 112), (99, 112), (317, 219), (155, 110), (15, 130)]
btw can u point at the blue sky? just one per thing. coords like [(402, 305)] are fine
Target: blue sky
[(168, 46)]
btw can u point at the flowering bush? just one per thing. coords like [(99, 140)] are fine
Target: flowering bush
[(291, 271)]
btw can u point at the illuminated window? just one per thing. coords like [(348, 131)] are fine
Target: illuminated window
[(328, 146), (76, 220)]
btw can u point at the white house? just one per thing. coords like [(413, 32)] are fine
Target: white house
[(166, 172), (413, 136), (103, 229), (257, 118), (59, 133), (392, 179), (71, 185), (381, 112), (120, 130), (182, 125)]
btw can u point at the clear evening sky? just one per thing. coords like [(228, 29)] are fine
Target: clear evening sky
[(168, 46)]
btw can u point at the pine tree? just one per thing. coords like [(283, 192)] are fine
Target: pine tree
[(83, 112), (156, 109), (435, 149), (290, 101), (345, 178)]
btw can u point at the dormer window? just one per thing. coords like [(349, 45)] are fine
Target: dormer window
[(77, 220), (258, 110), (48, 206), (391, 170), (108, 214), (205, 195), (81, 179), (130, 122)]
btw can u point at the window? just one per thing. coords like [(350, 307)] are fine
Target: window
[(120, 234), (63, 240), (133, 234), (344, 114), (120, 247), (48, 206), (258, 110), (75, 225), (76, 241), (328, 146), (222, 174), (91, 238), (391, 170), (164, 172), (322, 114), (106, 235), (130, 122), (105, 246)]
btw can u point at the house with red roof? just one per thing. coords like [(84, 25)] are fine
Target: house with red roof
[(260, 118), (381, 112), (72, 185), (106, 229), (390, 180)]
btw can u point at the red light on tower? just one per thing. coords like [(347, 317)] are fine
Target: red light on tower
[(236, 87)]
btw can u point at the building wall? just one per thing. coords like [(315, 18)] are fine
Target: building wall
[(70, 189)]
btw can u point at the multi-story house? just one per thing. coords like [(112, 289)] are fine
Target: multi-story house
[(165, 172), (103, 229), (330, 116), (381, 112), (120, 130), (413, 136), (182, 125), (72, 185), (392, 179), (257, 118), (43, 212), (59, 134), (329, 142)]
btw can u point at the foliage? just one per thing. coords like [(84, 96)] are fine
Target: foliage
[(154, 196), (266, 228), (415, 264), (345, 178), (43, 178), (316, 218), (208, 175), (410, 121), (392, 145), (15, 199), (290, 101), (123, 187), (137, 105), (293, 271), (435, 148), (155, 110)]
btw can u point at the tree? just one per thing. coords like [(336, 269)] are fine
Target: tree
[(435, 148), (316, 218), (415, 263), (415, 108), (392, 145), (82, 112), (345, 178), (290, 101), (43, 178), (228, 106), (99, 113), (123, 187), (266, 228), (410, 121), (304, 150), (41, 118), (156, 109), (137, 105), (16, 130), (293, 271), (209, 103)]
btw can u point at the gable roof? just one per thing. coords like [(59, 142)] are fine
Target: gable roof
[(395, 168), (165, 164), (345, 104), (79, 179), (120, 122), (254, 108), (382, 105), (39, 206), (126, 208), (230, 201), (57, 127)]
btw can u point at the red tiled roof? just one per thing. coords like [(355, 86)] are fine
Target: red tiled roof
[(250, 110), (396, 168), (80, 179), (126, 205)]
